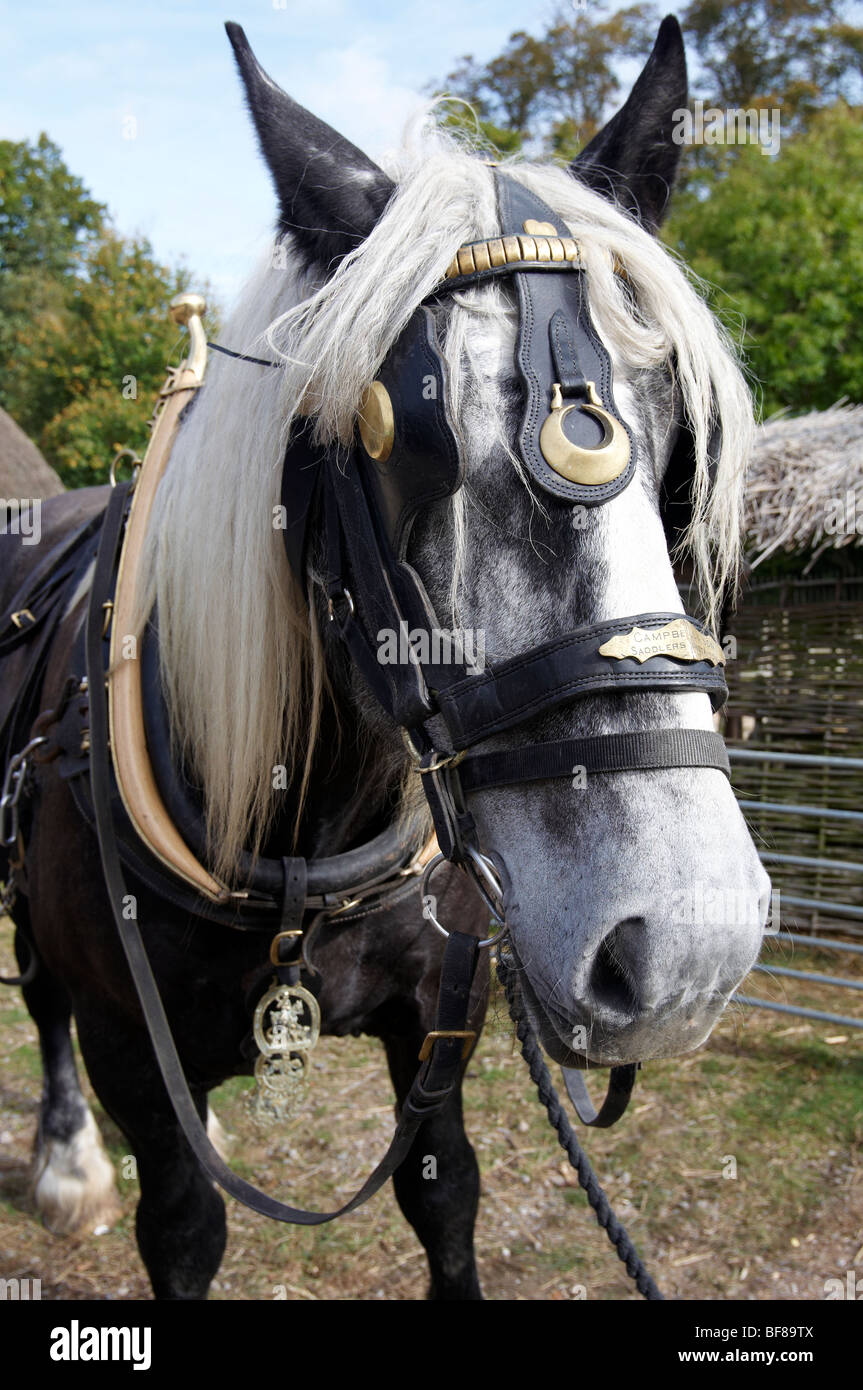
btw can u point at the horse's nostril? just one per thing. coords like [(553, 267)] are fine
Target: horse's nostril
[(612, 984)]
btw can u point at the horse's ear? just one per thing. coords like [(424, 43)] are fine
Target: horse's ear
[(330, 194), (634, 159)]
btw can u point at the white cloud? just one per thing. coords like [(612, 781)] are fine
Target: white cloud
[(354, 91)]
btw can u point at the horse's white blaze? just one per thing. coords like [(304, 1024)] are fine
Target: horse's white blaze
[(74, 1185)]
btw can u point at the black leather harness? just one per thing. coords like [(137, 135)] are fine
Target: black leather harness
[(285, 891), (365, 511)]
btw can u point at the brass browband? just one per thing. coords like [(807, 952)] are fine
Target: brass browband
[(478, 256), (498, 253)]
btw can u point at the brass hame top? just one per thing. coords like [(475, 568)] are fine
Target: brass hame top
[(188, 308)]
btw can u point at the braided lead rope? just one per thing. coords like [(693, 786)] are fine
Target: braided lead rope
[(568, 1139)]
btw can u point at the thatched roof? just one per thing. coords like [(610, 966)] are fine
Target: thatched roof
[(23, 471), (805, 487)]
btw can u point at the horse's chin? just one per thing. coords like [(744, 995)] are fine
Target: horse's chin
[(557, 1050), (686, 1034)]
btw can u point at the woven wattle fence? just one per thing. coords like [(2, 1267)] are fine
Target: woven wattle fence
[(796, 681), (796, 686)]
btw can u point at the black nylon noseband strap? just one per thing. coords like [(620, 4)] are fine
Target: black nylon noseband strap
[(642, 751)]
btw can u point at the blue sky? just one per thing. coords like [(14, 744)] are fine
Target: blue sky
[(191, 179)]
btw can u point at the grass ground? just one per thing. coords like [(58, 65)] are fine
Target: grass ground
[(775, 1099)]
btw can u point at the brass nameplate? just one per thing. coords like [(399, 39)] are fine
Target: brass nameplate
[(680, 639)]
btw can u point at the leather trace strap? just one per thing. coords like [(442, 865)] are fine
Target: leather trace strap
[(32, 618), (34, 602), (446, 1046)]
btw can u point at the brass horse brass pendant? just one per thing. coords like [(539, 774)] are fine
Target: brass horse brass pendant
[(281, 1070), (579, 465)]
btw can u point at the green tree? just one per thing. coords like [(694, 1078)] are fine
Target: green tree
[(84, 332), (794, 54), (585, 83), (46, 214), (553, 90), (506, 92), (460, 114), (783, 238), (518, 79)]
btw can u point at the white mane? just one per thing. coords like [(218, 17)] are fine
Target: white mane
[(241, 660)]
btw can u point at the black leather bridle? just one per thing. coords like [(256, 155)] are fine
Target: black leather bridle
[(366, 507)]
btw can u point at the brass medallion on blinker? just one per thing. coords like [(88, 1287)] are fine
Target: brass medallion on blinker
[(377, 422), (574, 462)]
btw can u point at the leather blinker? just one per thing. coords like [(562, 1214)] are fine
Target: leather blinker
[(573, 438), (423, 463)]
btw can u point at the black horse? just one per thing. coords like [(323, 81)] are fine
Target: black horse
[(587, 870)]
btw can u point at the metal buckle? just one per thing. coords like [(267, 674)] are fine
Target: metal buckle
[(467, 1035), (449, 760), (274, 946), (346, 906), (122, 454), (17, 618), (331, 611), (441, 760), (13, 784)]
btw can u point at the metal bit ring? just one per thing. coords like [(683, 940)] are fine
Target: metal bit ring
[(429, 915)]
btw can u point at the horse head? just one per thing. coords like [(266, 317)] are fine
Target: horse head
[(633, 895)]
